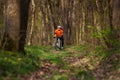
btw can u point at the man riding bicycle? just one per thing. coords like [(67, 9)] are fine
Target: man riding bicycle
[(59, 35)]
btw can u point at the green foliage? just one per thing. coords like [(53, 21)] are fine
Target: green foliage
[(106, 37), (14, 64), (102, 33), (100, 51)]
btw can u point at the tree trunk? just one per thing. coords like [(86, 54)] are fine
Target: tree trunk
[(116, 17), (32, 22), (24, 7), (11, 36)]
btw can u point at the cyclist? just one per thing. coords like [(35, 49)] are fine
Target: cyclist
[(59, 35)]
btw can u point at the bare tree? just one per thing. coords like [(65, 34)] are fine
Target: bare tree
[(24, 11)]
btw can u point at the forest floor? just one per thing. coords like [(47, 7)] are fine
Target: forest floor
[(77, 63), (72, 63)]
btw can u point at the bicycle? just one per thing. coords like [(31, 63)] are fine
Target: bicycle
[(58, 44)]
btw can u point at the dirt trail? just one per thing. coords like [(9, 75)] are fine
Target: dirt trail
[(85, 62)]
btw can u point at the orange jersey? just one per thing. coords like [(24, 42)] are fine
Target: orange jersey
[(59, 32)]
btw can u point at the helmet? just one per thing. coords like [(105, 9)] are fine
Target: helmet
[(58, 27)]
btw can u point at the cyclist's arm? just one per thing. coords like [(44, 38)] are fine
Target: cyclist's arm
[(55, 34)]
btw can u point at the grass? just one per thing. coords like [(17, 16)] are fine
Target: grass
[(44, 54), (84, 75), (13, 65), (60, 77)]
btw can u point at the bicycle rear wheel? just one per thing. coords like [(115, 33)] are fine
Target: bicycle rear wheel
[(58, 44)]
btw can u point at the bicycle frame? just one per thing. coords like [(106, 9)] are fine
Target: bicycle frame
[(58, 44)]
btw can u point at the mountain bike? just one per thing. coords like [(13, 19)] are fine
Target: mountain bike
[(58, 44)]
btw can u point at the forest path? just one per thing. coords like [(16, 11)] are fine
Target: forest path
[(73, 64)]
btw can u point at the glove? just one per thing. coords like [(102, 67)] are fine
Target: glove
[(54, 36)]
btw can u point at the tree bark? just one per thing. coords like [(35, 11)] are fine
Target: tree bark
[(11, 35), (24, 9), (32, 22)]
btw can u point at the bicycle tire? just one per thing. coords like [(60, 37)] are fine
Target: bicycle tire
[(58, 44)]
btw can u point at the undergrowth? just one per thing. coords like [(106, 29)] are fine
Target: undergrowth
[(14, 65)]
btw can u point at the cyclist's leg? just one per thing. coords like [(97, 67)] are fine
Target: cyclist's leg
[(60, 44), (57, 41)]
